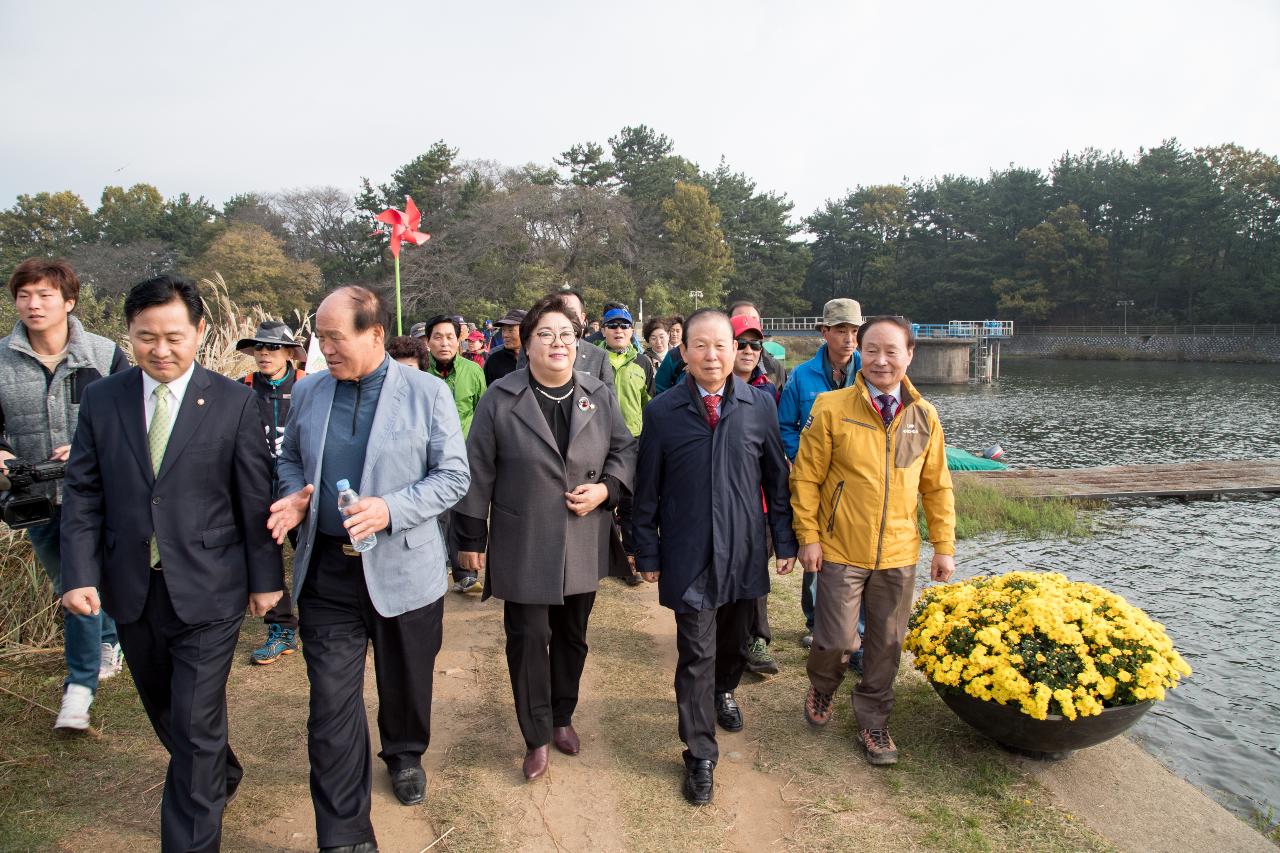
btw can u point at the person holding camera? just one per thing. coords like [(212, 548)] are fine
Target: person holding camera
[(45, 365)]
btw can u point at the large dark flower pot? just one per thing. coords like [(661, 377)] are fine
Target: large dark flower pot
[(1052, 738)]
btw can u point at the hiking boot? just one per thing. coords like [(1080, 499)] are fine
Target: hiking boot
[(758, 659), (74, 714), (280, 641), (879, 746), (807, 641), (111, 662), (817, 707), (466, 583)]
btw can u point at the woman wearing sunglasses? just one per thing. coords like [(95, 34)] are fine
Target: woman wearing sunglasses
[(749, 338)]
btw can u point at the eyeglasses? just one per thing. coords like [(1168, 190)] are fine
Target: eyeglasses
[(566, 336), (749, 344), (617, 325), (259, 347)]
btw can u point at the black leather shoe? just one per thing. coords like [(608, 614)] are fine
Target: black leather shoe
[(410, 785), (728, 714), (362, 847), (698, 780)]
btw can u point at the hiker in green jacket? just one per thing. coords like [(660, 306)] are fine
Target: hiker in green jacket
[(465, 379), (632, 369)]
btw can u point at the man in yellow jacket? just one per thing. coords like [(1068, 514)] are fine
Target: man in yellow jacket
[(868, 453)]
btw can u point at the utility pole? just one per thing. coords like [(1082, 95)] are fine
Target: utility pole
[(696, 294), (1124, 304)]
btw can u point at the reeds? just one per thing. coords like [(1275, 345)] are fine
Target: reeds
[(29, 618)]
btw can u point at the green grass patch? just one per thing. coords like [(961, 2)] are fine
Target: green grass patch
[(983, 508)]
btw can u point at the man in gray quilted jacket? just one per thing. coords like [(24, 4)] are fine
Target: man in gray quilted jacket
[(45, 365)]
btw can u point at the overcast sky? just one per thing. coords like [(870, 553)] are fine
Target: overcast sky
[(808, 98)]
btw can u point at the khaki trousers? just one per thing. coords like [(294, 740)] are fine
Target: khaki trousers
[(885, 597)]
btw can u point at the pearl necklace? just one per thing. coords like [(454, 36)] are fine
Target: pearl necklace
[(559, 399)]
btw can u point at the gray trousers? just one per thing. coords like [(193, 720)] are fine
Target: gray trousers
[(884, 597)]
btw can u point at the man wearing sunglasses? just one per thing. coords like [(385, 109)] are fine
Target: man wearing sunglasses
[(274, 351)]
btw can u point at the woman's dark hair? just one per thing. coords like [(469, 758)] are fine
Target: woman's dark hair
[(654, 323), (901, 322), (403, 346), (442, 318), (162, 290), (53, 270), (553, 304)]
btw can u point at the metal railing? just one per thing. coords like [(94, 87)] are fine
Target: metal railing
[(954, 329), (1134, 329)]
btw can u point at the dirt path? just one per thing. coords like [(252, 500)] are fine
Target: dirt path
[(779, 785), (754, 802)]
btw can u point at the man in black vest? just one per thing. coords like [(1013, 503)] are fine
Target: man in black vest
[(275, 351), (182, 546)]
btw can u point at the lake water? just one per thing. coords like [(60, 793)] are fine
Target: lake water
[(1208, 570)]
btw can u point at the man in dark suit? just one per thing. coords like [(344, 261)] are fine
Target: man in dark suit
[(708, 448), (182, 545)]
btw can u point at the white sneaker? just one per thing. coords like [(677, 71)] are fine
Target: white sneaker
[(74, 715), (112, 661)]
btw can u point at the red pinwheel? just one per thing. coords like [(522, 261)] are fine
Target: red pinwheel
[(404, 225)]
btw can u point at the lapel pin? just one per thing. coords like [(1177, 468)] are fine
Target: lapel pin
[(200, 401), (585, 405)]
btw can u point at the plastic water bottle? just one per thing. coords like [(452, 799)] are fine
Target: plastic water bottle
[(346, 497)]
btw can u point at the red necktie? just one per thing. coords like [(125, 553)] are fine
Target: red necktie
[(711, 401)]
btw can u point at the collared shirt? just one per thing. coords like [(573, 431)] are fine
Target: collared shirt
[(719, 391), (177, 390), (895, 393)]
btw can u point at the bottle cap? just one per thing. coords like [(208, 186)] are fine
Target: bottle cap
[(342, 485)]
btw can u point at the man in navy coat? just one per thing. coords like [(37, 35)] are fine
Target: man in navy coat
[(708, 449)]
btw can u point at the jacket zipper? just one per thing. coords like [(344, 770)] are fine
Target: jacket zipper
[(835, 505)]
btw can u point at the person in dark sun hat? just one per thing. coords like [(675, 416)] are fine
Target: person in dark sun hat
[(275, 351)]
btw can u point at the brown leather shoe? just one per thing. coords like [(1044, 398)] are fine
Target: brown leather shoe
[(535, 763), (565, 739)]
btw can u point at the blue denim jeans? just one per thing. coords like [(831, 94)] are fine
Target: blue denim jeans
[(83, 636)]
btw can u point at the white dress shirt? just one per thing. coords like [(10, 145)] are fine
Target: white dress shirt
[(895, 393), (719, 391), (177, 389)]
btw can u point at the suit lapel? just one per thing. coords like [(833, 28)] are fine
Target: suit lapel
[(190, 415), (133, 420), (393, 388), (526, 409)]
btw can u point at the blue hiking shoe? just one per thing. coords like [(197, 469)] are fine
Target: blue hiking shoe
[(280, 641)]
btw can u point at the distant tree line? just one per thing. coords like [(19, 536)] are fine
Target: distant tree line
[(1187, 235)]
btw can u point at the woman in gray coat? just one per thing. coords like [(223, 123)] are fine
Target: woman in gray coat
[(550, 457)]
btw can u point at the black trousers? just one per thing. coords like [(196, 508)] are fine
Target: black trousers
[(282, 614), (337, 623), (546, 650), (181, 671), (712, 653), (760, 620), (449, 536)]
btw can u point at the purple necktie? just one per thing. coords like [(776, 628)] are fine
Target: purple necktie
[(887, 402)]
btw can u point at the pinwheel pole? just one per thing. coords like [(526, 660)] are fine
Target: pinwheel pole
[(404, 226)]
